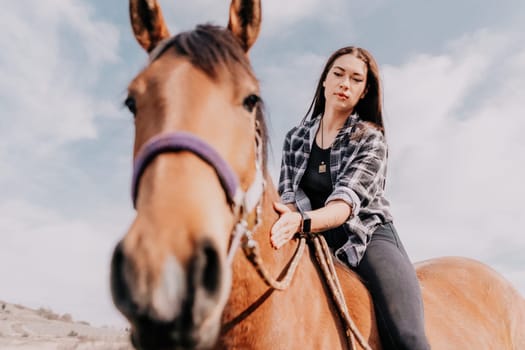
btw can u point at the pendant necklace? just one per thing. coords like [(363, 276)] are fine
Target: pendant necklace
[(322, 166)]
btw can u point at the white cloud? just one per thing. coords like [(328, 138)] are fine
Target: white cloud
[(52, 58), (280, 17), (288, 12), (455, 126), (51, 55)]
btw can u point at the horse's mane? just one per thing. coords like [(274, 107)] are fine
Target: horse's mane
[(210, 48)]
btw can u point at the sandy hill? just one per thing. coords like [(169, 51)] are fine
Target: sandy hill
[(28, 329)]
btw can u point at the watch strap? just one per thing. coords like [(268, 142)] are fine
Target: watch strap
[(306, 224)]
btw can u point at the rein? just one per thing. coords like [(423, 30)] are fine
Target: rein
[(326, 262)]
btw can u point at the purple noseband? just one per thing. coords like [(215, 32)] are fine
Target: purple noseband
[(183, 141)]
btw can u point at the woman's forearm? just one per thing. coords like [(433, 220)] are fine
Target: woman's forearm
[(333, 215)]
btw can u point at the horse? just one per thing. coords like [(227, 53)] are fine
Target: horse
[(201, 190)]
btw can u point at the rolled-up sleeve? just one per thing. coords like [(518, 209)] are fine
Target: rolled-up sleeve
[(363, 174), (285, 178)]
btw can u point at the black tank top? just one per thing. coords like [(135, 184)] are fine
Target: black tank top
[(318, 186), (316, 183)]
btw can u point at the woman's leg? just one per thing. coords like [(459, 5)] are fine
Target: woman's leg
[(392, 281)]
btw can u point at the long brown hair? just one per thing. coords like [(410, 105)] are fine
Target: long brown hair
[(368, 108)]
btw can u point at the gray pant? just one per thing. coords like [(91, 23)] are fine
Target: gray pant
[(392, 281)]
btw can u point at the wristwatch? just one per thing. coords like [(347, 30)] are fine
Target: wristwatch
[(306, 224)]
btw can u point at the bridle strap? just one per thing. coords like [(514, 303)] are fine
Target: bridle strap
[(184, 141)]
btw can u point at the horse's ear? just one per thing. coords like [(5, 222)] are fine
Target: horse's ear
[(148, 23), (245, 21)]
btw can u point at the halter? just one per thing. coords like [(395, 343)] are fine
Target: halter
[(241, 203)]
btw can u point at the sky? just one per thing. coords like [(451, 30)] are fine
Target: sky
[(454, 79)]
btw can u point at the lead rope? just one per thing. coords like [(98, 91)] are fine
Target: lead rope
[(324, 257), (251, 249)]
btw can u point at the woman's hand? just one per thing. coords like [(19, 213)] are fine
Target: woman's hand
[(285, 227)]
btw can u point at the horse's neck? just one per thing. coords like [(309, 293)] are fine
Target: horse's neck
[(248, 304)]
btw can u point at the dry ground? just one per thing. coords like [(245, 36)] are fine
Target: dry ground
[(28, 329)]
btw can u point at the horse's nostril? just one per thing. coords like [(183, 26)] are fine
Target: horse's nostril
[(210, 268), (119, 287)]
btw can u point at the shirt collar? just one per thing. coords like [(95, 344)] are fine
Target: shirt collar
[(350, 121), (312, 125)]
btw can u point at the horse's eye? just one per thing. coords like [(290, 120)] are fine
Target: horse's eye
[(131, 104), (250, 102)]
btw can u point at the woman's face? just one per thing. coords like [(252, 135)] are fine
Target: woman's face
[(345, 83)]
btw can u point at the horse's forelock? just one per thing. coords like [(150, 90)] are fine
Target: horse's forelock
[(211, 48)]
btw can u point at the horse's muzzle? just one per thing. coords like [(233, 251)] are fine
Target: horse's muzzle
[(179, 311)]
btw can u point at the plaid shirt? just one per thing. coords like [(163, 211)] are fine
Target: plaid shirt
[(358, 162)]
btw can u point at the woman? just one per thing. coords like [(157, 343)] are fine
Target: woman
[(332, 183)]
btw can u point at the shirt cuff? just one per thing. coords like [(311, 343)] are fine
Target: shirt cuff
[(288, 197), (349, 197)]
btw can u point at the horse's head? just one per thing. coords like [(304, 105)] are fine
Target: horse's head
[(198, 149)]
